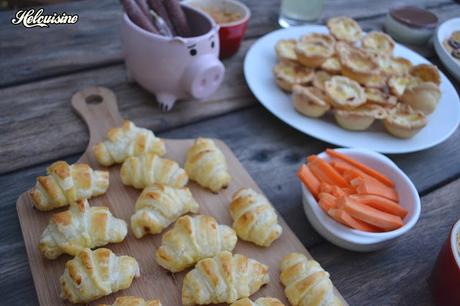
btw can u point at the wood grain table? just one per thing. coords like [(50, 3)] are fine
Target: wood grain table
[(42, 68)]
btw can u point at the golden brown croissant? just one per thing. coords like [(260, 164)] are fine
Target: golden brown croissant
[(263, 301), (206, 165), (66, 183), (254, 218), (307, 284), (192, 239), (94, 274), (80, 227), (158, 206), (127, 140), (133, 301), (224, 278), (146, 169)]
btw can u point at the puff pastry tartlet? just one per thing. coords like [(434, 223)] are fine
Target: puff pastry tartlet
[(158, 206), (377, 96), (320, 79), (263, 301), (422, 96), (306, 282), (147, 169), (391, 65), (332, 65), (254, 217), (127, 140), (94, 274), (344, 28), (284, 49), (66, 183), (225, 278), (356, 64), (206, 165), (80, 227), (426, 72), (360, 118), (378, 42), (398, 84), (344, 92), (192, 239), (287, 74), (314, 49), (310, 101), (403, 122), (133, 301)]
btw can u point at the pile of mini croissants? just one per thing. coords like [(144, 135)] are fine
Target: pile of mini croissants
[(195, 241)]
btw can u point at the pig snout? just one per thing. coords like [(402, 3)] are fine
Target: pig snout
[(203, 76)]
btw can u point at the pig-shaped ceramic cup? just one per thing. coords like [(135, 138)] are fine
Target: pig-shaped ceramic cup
[(174, 67)]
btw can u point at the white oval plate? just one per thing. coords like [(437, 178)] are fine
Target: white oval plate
[(258, 66), (442, 33)]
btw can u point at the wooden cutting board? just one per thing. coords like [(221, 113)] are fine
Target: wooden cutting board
[(98, 108)]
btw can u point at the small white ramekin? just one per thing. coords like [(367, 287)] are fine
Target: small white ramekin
[(356, 240)]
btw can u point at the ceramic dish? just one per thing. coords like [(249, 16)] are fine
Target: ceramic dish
[(443, 32), (258, 66), (356, 240)]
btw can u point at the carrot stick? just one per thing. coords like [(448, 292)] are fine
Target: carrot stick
[(326, 173), (343, 217), (311, 158), (381, 203), (340, 165), (324, 187), (326, 201), (372, 186), (374, 173), (371, 215), (338, 192), (308, 179)]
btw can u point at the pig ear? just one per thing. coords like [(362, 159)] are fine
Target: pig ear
[(178, 40)]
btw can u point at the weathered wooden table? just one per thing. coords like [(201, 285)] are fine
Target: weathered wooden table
[(42, 68)]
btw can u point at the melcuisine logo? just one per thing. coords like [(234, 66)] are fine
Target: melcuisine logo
[(35, 18)]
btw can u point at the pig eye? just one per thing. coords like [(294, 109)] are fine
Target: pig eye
[(212, 44), (193, 52)]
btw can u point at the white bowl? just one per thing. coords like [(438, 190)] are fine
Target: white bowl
[(357, 240), (442, 33)]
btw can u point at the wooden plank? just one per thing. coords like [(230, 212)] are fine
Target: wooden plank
[(397, 275), (154, 281)]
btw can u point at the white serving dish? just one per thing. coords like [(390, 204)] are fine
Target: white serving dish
[(261, 59), (356, 240), (442, 33)]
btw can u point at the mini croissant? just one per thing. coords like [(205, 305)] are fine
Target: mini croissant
[(146, 169), (80, 227), (94, 274), (263, 301), (206, 165), (133, 301), (127, 140), (254, 218), (224, 278), (192, 239), (158, 206), (66, 183), (307, 284)]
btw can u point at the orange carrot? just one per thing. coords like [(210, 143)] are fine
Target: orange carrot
[(371, 215), (340, 165), (308, 179), (324, 187), (326, 201), (374, 173), (338, 192), (311, 158), (372, 186), (343, 217), (381, 203), (326, 173)]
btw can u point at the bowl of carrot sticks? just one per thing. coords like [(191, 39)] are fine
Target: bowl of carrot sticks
[(358, 199)]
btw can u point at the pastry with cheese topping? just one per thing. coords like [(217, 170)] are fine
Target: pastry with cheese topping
[(377, 96), (332, 65), (314, 49), (360, 118), (391, 65), (423, 97), (320, 78), (288, 73), (284, 49), (404, 122), (427, 73), (344, 92), (356, 63), (344, 28), (398, 84), (310, 101), (378, 42)]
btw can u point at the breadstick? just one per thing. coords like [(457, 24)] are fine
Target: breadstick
[(178, 18), (158, 7), (136, 15)]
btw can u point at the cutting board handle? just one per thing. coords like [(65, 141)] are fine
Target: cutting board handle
[(98, 108)]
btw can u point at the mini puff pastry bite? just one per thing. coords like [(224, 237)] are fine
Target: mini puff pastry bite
[(284, 49), (287, 74), (427, 73), (332, 65), (66, 183), (147, 169), (378, 96), (360, 118), (404, 122), (310, 101), (422, 96), (306, 282), (254, 218), (344, 28), (344, 92), (356, 64), (391, 65), (398, 84), (206, 165), (225, 278), (127, 140), (133, 301), (378, 42), (158, 206), (263, 301), (314, 49), (80, 227), (192, 239), (94, 274), (320, 79)]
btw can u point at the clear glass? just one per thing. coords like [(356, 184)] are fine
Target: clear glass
[(297, 12)]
